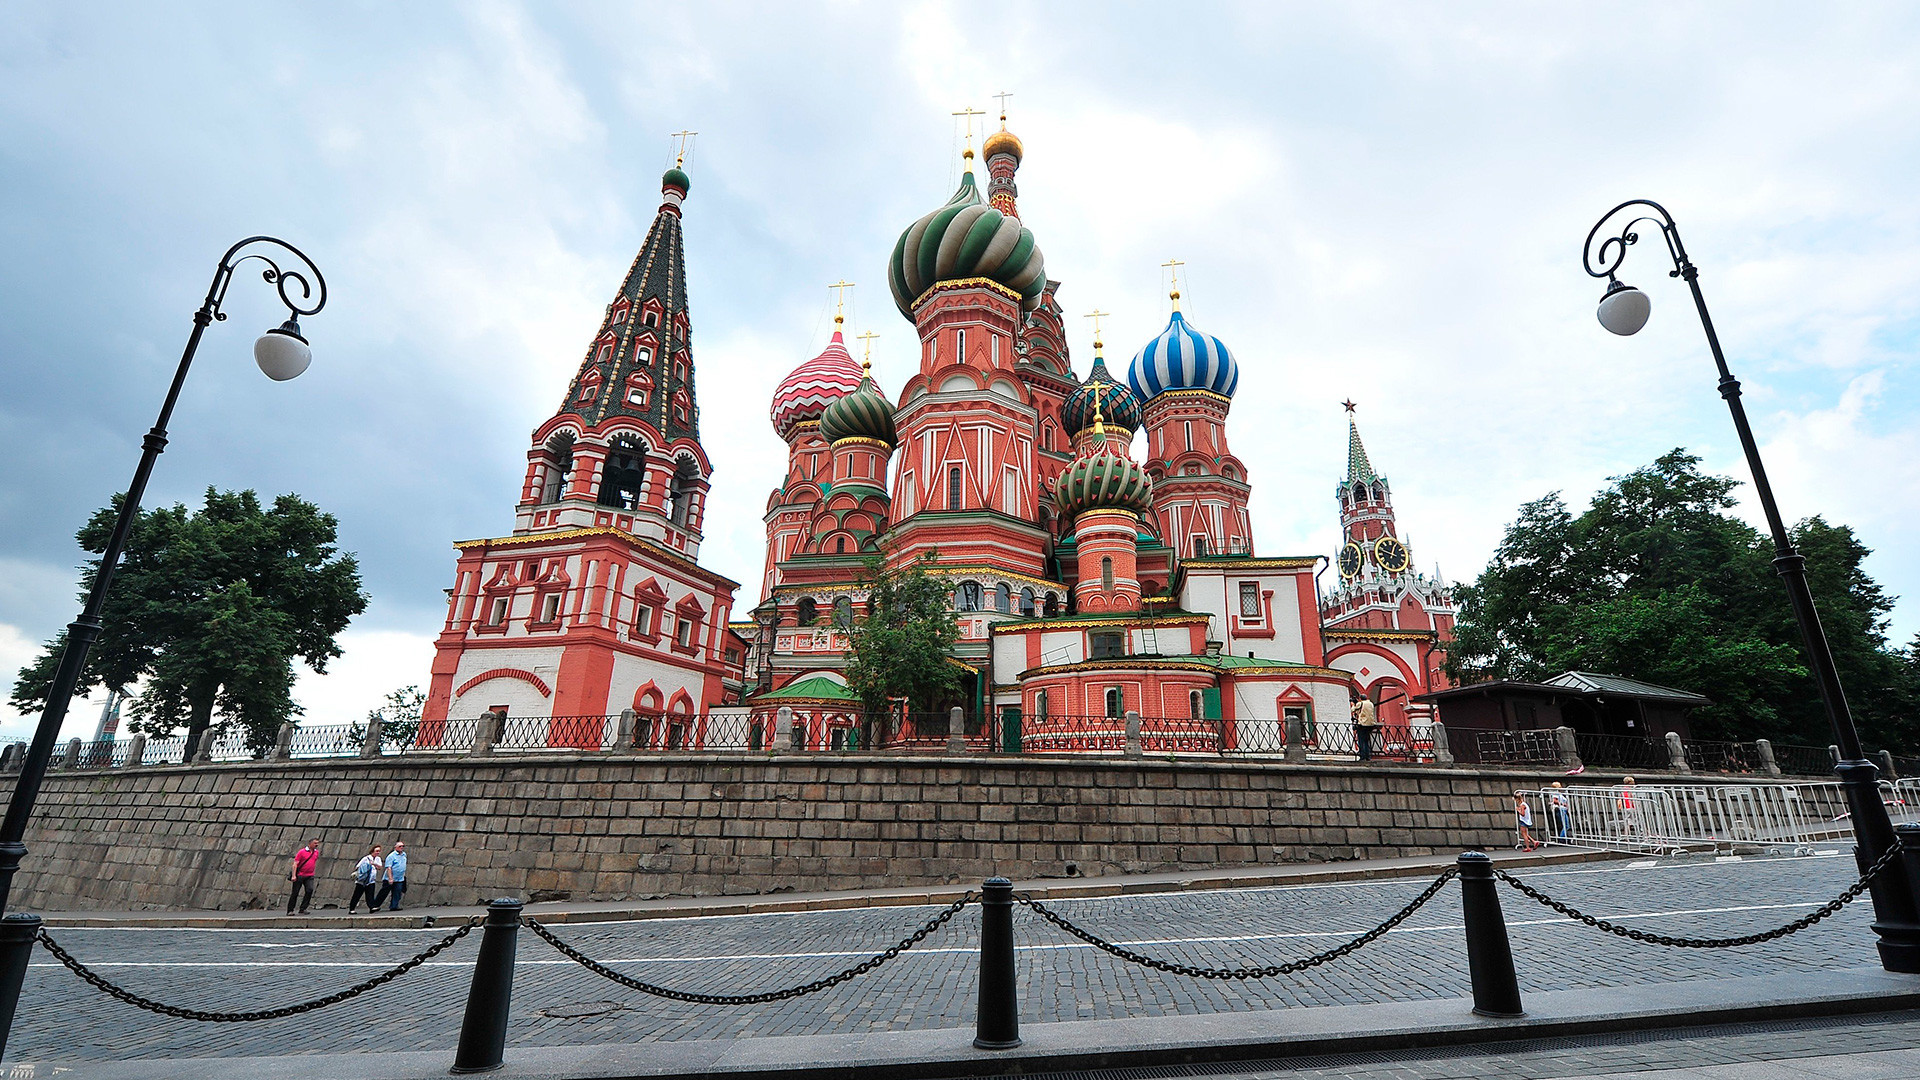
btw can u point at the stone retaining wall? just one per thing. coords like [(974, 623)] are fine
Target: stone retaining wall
[(599, 827)]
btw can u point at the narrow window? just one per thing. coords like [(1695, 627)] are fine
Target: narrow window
[(551, 613), (1250, 600), (1188, 425), (1116, 702), (809, 611), (970, 596), (1199, 546), (963, 346), (1106, 573), (1040, 705), (843, 613), (1003, 598), (1052, 607), (652, 319), (683, 633), (642, 620), (953, 487), (839, 545), (1026, 602), (1194, 707), (498, 616)]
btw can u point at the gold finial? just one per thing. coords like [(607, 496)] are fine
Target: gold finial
[(1096, 315), (686, 144), (1172, 266), (866, 353), (840, 300), (1003, 96), (969, 112)]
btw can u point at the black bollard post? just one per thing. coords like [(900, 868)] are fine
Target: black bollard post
[(483, 1032), (997, 1020), (1496, 989), (17, 936)]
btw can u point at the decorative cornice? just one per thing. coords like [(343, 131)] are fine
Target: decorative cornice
[(1334, 634), (966, 283), (1242, 562), (1141, 663), (1084, 622), (669, 555)]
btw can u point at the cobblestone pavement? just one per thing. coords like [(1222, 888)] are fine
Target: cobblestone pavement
[(558, 1003), (1831, 1049)]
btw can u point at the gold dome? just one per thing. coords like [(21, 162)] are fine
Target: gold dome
[(1002, 142)]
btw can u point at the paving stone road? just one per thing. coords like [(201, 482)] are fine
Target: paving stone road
[(558, 1003)]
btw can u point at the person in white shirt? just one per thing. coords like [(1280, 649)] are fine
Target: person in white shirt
[(395, 886), (368, 873)]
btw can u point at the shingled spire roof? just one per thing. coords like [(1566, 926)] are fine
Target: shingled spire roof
[(1359, 469), (640, 364)]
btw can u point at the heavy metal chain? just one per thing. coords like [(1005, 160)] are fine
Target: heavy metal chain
[(853, 972), (1829, 908), (1287, 968), (180, 1013)]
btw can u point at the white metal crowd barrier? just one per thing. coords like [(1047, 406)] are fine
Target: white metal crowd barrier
[(1668, 819)]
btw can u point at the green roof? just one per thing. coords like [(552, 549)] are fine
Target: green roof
[(814, 688)]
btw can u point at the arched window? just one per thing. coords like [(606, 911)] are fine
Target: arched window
[(1196, 706), (559, 467), (1106, 573), (969, 596), (809, 612), (953, 487), (1026, 602), (1003, 598), (1040, 705), (839, 545), (1116, 702), (843, 613), (680, 492), (623, 478), (1052, 607)]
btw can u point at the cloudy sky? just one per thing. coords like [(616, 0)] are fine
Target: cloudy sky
[(1377, 201)]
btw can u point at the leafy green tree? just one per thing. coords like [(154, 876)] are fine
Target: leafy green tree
[(208, 611), (399, 717), (898, 647), (1657, 580)]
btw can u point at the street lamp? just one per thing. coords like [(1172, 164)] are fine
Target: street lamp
[(282, 354), (1623, 310)]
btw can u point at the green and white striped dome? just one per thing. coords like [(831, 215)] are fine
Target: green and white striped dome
[(966, 239), (864, 414)]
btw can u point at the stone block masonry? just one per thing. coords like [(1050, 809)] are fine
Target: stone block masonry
[(599, 827)]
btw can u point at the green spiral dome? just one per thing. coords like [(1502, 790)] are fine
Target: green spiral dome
[(1103, 481), (864, 414), (966, 239)]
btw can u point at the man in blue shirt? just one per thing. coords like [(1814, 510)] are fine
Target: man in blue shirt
[(395, 885)]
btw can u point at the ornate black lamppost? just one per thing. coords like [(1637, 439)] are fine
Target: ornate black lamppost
[(282, 354), (1624, 310)]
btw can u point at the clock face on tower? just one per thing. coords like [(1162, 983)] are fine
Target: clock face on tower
[(1391, 554), (1350, 557)]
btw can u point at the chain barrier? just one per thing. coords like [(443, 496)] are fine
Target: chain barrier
[(853, 972), (1830, 908), (1288, 968), (131, 998)]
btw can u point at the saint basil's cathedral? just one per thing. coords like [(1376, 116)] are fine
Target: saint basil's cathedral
[(1086, 583)]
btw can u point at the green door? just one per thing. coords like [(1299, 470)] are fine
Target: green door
[(1210, 703), (1010, 729)]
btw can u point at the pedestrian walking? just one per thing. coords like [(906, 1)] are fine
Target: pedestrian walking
[(1365, 721), (306, 862), (1630, 824), (1562, 807), (367, 875), (1523, 819), (395, 886)]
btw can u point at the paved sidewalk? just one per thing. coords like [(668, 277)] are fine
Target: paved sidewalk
[(1131, 1043), (768, 903)]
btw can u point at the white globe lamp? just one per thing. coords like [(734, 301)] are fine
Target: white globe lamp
[(1624, 309), (283, 353)]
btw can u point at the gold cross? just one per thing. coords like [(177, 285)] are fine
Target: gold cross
[(969, 112), (866, 351), (686, 143), (1172, 266), (1003, 96), (840, 300), (1096, 315)]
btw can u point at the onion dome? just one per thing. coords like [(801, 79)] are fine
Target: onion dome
[(805, 393), (1002, 142), (1100, 394), (864, 414), (966, 239), (1100, 479), (1183, 358), (676, 177)]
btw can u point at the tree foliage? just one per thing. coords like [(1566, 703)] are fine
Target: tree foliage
[(1656, 580), (208, 610), (399, 717), (898, 647)]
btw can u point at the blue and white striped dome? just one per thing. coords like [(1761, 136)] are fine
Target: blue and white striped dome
[(1183, 358)]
